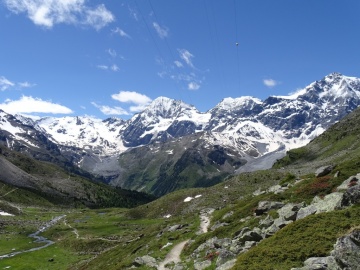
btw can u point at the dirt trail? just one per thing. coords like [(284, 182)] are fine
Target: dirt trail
[(205, 220), (173, 255)]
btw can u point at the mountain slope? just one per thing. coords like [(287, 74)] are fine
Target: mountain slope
[(54, 184), (256, 133)]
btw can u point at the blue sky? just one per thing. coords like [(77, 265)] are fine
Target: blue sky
[(111, 58)]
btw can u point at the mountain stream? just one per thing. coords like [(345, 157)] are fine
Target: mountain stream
[(38, 239)]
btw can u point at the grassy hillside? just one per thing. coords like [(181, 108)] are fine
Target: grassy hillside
[(40, 183)]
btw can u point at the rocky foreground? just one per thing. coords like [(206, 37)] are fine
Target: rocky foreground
[(345, 255)]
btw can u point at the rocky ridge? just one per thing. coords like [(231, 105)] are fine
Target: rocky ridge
[(251, 133)]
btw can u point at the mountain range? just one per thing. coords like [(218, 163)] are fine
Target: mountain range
[(171, 145)]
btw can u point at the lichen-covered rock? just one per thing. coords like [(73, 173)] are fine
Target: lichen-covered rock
[(145, 260), (324, 170), (226, 266), (347, 251), (266, 222), (351, 196), (319, 263), (202, 265), (224, 256), (289, 211), (351, 181), (265, 206), (330, 202)]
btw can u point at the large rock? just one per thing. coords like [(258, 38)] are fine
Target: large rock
[(347, 251), (330, 202), (145, 261), (202, 265), (319, 263), (289, 211), (226, 266), (224, 256), (351, 196), (351, 181), (324, 170), (265, 206)]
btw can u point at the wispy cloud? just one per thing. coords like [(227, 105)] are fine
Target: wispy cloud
[(113, 67), (103, 67), (47, 13), (112, 53), (193, 86), (121, 33), (133, 13), (186, 56), (178, 64), (161, 31), (140, 101), (270, 83), (28, 104), (26, 84), (5, 83), (110, 110)]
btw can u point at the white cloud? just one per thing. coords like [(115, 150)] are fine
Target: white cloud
[(114, 68), (28, 104), (131, 97), (186, 56), (270, 82), (121, 32), (47, 13), (161, 31), (110, 110), (112, 53), (103, 67), (193, 86), (178, 64), (5, 83), (26, 85)]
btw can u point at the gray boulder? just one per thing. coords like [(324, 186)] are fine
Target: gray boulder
[(319, 263), (265, 206), (224, 256), (202, 265), (270, 231), (266, 222), (324, 170), (226, 266), (347, 251), (306, 211), (145, 261), (330, 202), (351, 181), (351, 196), (250, 236), (289, 211)]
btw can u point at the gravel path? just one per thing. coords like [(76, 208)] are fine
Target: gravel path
[(173, 255)]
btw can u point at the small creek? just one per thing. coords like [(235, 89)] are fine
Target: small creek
[(38, 239)]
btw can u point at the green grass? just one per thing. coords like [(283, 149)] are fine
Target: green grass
[(313, 236)]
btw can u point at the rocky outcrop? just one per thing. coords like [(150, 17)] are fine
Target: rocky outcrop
[(329, 203), (265, 206), (145, 261), (322, 171)]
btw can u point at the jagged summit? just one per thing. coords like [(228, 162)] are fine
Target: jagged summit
[(251, 128)]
